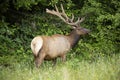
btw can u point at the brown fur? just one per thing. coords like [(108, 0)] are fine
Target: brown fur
[(53, 46)]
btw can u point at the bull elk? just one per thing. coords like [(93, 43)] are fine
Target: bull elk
[(51, 47)]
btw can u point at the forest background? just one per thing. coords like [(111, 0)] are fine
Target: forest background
[(22, 20)]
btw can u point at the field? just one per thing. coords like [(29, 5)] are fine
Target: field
[(104, 68)]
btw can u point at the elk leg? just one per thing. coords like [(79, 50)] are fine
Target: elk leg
[(54, 61), (63, 58), (39, 60)]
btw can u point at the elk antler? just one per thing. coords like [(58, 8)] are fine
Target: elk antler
[(62, 15)]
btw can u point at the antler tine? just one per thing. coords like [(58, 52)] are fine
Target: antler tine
[(72, 18), (63, 12), (82, 19), (79, 20), (56, 8)]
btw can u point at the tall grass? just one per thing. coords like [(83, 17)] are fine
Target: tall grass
[(104, 68)]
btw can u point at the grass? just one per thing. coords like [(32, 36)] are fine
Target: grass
[(104, 68)]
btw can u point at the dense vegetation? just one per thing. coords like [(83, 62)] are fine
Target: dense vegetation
[(22, 20)]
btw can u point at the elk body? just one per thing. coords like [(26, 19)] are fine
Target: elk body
[(51, 47)]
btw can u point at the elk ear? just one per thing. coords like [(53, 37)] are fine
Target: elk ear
[(86, 30)]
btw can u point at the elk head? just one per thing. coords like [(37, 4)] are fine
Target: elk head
[(51, 47)]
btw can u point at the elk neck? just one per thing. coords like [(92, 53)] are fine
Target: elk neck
[(73, 37)]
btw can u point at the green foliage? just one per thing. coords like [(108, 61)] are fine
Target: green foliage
[(102, 21), (22, 20), (24, 3)]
